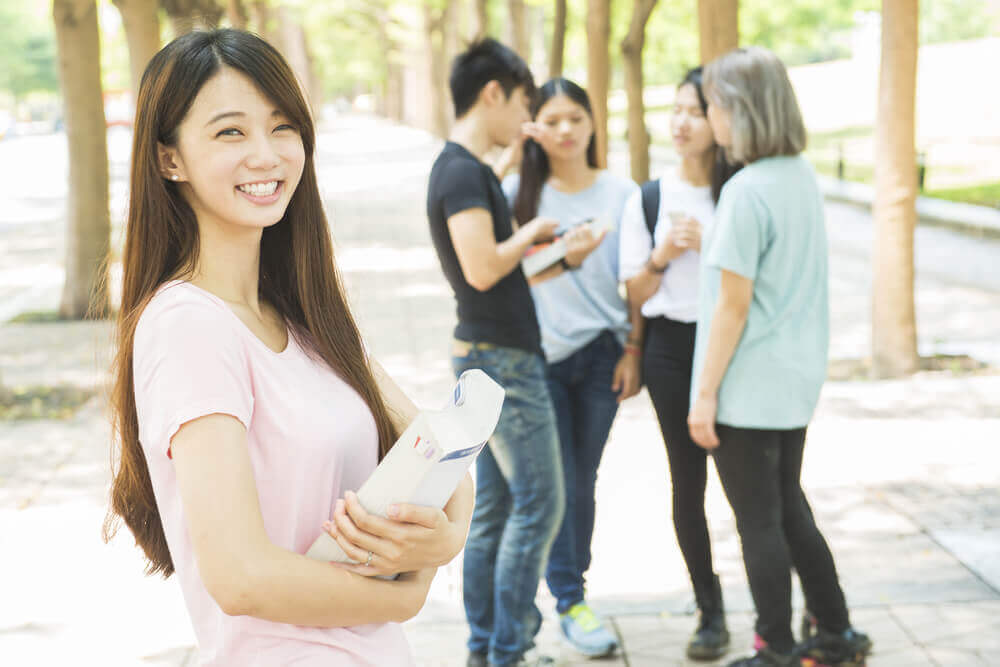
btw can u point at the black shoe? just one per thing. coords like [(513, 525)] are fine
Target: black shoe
[(846, 649), (710, 640), (765, 657), (477, 660)]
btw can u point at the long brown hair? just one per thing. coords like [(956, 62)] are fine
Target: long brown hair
[(297, 272)]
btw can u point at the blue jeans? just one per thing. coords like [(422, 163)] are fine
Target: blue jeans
[(580, 386), (519, 505)]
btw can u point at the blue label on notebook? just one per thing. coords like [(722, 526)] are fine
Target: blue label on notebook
[(462, 453)]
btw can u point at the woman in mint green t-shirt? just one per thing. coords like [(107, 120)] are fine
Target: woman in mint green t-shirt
[(761, 353)]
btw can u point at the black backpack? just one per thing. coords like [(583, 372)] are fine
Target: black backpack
[(650, 203)]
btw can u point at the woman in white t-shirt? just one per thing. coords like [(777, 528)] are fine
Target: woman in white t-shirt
[(661, 275)]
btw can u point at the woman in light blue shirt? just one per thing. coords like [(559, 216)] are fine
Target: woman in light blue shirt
[(584, 323), (761, 353)]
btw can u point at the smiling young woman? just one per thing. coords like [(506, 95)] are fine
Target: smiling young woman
[(244, 403)]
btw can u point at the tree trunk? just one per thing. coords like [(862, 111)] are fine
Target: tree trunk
[(85, 294), (292, 44), (434, 30), (632, 45), (237, 13), (480, 21), (141, 20), (718, 28), (210, 14), (598, 71), (558, 40), (188, 15), (894, 329), (182, 14), (518, 29), (262, 23)]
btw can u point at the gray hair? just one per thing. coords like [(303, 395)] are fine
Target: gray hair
[(752, 85)]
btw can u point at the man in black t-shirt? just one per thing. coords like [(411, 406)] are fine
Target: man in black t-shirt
[(519, 480)]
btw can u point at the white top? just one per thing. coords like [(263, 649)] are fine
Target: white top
[(677, 297)]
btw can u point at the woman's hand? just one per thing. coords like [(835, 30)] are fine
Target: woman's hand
[(686, 234), (701, 421), (626, 377), (413, 538), (580, 242)]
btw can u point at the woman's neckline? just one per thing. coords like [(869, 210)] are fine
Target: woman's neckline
[(597, 177), (246, 329)]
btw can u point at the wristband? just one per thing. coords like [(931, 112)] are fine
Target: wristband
[(566, 265), (632, 348), (653, 268)]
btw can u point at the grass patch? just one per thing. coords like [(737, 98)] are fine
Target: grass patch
[(51, 316), (859, 173), (854, 370), (834, 137), (987, 194), (58, 402), (36, 317)]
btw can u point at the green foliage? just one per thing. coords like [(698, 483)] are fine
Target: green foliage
[(344, 39), (987, 194), (27, 49), (802, 31), (953, 20)]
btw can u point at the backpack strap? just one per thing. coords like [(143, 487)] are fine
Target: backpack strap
[(651, 203)]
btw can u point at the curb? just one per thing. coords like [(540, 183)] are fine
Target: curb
[(977, 220)]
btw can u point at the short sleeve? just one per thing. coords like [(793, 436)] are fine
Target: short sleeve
[(635, 243), (462, 187), (742, 232), (189, 362), (510, 186)]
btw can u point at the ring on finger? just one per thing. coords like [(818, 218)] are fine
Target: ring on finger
[(368, 562)]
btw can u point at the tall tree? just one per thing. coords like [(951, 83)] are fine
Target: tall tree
[(558, 45), (718, 28), (142, 31), (437, 15), (236, 11), (599, 70), (894, 329), (262, 23), (480, 20), (632, 46), (517, 29), (293, 45), (89, 225), (188, 15)]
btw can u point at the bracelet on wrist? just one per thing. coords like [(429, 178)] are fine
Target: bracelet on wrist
[(633, 348), (567, 266)]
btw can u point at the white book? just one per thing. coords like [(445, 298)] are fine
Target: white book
[(429, 459), (543, 255)]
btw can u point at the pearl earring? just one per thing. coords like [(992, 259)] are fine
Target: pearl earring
[(175, 177)]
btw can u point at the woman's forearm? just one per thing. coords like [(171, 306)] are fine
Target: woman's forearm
[(459, 513), (637, 332), (285, 587), (643, 286)]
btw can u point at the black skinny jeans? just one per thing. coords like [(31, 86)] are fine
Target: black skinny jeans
[(759, 470), (666, 369)]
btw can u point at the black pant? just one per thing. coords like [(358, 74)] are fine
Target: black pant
[(759, 470), (666, 369)]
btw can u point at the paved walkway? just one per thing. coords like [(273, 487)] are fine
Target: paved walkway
[(903, 475)]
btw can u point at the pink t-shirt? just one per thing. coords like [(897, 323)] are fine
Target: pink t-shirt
[(310, 438)]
